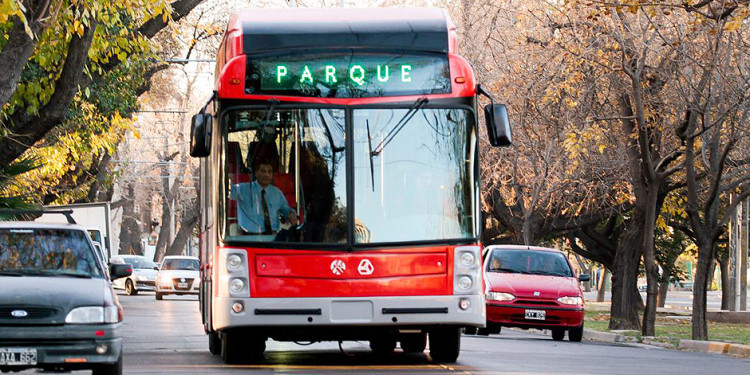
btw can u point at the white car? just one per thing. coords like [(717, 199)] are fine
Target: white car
[(143, 277), (178, 275)]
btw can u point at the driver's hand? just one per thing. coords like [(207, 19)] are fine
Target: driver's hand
[(293, 219)]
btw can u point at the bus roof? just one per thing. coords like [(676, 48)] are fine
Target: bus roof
[(267, 30)]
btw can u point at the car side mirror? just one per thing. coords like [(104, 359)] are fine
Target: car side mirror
[(584, 277), (200, 135), (498, 125), (118, 271)]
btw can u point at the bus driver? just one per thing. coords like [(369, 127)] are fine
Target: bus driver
[(260, 203)]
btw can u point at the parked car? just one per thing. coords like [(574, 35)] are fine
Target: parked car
[(533, 287), (178, 275), (57, 307), (143, 277)]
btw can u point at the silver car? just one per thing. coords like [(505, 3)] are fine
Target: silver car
[(143, 277)]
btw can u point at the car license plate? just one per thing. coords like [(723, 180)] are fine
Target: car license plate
[(536, 314), (17, 356), (182, 285)]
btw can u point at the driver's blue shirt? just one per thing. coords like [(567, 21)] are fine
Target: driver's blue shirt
[(250, 209)]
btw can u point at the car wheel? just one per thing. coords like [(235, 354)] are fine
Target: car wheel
[(241, 348), (558, 334), (130, 288), (383, 345), (109, 368), (470, 330), (159, 296), (445, 344), (414, 342), (214, 343), (576, 334), (483, 331)]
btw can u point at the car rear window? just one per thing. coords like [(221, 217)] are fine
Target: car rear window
[(180, 264), (140, 263), (529, 262), (47, 252)]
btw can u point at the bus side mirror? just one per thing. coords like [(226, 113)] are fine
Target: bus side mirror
[(200, 135), (498, 126)]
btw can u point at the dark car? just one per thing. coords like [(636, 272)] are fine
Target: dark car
[(533, 287), (57, 307)]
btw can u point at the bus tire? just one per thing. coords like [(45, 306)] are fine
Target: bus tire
[(445, 344), (238, 347), (414, 342), (383, 345), (214, 343), (470, 330)]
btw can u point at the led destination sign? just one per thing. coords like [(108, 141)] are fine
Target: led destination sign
[(349, 75)]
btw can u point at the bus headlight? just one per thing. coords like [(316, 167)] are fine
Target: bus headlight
[(234, 261), (236, 285), (467, 259), (464, 282)]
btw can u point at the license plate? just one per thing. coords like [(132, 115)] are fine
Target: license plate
[(536, 314), (182, 285), (17, 356)]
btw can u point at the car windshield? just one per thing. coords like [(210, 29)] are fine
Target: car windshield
[(529, 262), (140, 263), (180, 264), (47, 252)]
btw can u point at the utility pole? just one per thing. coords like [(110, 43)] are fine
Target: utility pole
[(744, 248)]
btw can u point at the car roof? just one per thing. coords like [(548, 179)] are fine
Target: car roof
[(179, 257), (35, 225), (521, 247)]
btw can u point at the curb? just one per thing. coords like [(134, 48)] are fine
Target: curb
[(716, 347), (591, 335)]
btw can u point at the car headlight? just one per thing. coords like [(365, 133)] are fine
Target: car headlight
[(93, 315), (501, 297), (578, 301)]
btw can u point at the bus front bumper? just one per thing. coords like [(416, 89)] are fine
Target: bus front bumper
[(410, 311)]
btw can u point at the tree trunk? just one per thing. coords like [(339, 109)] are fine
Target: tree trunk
[(725, 292), (663, 289), (625, 297), (183, 235), (602, 285), (700, 285), (649, 260)]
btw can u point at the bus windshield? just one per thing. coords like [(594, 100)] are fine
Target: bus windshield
[(286, 177)]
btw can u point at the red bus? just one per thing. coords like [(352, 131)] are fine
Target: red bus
[(365, 121)]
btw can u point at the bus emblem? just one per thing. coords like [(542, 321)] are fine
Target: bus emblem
[(338, 267), (365, 267)]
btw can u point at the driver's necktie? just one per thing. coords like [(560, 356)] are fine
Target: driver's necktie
[(266, 216)]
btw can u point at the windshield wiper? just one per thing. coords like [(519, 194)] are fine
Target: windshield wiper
[(10, 273), (67, 274), (506, 270), (399, 125)]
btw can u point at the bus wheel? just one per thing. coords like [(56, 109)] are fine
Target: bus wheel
[(470, 330), (239, 348), (414, 342), (383, 345), (445, 344), (214, 343)]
